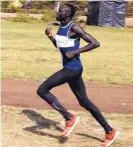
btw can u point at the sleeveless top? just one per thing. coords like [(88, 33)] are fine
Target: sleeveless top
[(66, 44)]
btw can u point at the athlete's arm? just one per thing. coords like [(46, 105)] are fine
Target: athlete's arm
[(48, 32), (79, 32)]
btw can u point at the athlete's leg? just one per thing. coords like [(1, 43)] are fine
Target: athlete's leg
[(56, 79), (78, 88)]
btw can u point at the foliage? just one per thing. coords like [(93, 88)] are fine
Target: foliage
[(38, 7), (48, 16), (79, 5), (6, 10), (129, 11), (27, 18), (42, 4), (14, 5), (31, 11), (4, 4), (23, 17), (37, 11)]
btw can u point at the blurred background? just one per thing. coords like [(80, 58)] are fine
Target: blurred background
[(101, 13)]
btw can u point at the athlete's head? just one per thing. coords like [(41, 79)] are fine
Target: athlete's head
[(65, 11)]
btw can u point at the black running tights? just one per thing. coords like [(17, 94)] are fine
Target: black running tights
[(75, 81)]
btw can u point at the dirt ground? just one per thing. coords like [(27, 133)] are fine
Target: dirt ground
[(109, 98)]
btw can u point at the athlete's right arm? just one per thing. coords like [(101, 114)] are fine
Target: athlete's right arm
[(48, 32)]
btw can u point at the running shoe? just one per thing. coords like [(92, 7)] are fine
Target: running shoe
[(110, 138), (70, 125)]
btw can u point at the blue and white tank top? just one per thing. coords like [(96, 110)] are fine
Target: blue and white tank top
[(66, 44)]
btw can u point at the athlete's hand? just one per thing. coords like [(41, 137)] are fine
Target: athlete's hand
[(70, 54), (48, 31)]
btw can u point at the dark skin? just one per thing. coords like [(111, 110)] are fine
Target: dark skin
[(76, 31)]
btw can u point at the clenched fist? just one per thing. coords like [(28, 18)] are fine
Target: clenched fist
[(48, 31)]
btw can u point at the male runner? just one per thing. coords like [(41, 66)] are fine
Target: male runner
[(67, 41)]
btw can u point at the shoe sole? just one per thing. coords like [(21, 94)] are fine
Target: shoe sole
[(116, 135), (76, 122)]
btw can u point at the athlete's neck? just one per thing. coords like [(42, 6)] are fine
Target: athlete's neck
[(66, 22)]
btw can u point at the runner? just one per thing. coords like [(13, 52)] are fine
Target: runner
[(67, 40)]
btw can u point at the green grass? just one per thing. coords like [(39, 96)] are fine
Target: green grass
[(22, 127), (28, 54)]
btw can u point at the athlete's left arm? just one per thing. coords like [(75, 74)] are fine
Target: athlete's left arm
[(92, 42)]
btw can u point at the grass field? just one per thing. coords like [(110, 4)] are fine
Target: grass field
[(23, 127), (28, 54)]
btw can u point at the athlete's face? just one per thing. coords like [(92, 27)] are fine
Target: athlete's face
[(63, 13)]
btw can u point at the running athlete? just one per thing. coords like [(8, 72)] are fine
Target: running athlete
[(67, 40)]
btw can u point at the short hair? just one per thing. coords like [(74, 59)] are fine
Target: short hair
[(72, 9)]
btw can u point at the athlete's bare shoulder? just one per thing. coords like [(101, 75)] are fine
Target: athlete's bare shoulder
[(80, 32), (76, 26), (77, 29)]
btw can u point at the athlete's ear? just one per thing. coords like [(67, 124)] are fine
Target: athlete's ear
[(68, 13)]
